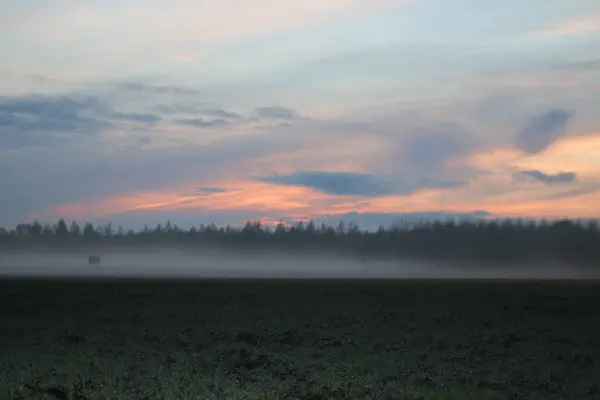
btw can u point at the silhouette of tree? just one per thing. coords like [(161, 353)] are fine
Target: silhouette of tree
[(47, 231), (61, 229), (36, 229), (23, 230), (576, 242), (88, 230), (280, 229), (74, 230)]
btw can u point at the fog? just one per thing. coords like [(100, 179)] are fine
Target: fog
[(179, 264)]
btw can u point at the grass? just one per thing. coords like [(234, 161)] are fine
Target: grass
[(253, 339)]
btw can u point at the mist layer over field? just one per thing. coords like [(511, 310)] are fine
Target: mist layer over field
[(171, 263)]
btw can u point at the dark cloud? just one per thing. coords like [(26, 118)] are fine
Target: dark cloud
[(201, 123), (337, 183), (275, 112), (159, 89), (198, 115), (414, 159), (47, 106), (220, 113), (39, 120), (191, 109), (136, 117), (355, 184), (561, 177), (543, 130), (210, 190), (33, 120), (176, 108)]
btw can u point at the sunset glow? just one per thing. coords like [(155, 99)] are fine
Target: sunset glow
[(297, 110)]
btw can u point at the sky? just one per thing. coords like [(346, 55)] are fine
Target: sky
[(138, 112)]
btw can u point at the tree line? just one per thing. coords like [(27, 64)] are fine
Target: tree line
[(576, 242)]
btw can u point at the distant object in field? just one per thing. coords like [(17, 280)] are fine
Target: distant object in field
[(94, 260)]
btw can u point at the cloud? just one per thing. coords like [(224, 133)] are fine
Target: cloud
[(176, 108), (541, 131), (385, 156), (46, 106), (381, 106), (355, 184), (336, 183), (561, 177), (396, 157), (136, 117), (418, 154), (275, 112), (202, 123), (219, 112), (223, 117), (158, 89), (35, 120), (194, 109), (101, 167), (211, 190)]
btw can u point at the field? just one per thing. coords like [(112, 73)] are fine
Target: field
[(286, 339)]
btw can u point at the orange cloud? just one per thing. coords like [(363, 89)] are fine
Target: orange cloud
[(253, 197), (496, 192), (270, 201), (242, 196), (109, 205), (579, 154), (267, 200)]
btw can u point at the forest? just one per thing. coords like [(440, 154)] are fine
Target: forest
[(508, 240)]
